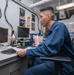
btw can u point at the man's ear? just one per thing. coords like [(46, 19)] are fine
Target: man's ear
[(49, 17)]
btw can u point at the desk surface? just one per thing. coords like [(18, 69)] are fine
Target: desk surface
[(7, 58)]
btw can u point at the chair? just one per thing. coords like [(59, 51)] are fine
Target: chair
[(58, 63)]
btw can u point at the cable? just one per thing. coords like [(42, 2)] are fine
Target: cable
[(0, 13), (5, 15), (22, 6)]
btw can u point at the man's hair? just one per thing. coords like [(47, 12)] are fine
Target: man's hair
[(48, 9)]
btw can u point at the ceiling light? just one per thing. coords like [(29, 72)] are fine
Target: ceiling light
[(69, 5)]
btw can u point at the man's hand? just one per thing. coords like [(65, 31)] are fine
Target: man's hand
[(34, 44), (22, 53), (36, 41)]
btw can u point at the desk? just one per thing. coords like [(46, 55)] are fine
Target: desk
[(11, 64)]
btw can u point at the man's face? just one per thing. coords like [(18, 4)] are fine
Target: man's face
[(44, 19)]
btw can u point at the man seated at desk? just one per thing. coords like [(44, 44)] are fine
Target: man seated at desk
[(58, 43)]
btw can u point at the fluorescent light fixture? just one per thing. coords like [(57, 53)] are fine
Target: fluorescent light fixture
[(69, 5), (39, 3)]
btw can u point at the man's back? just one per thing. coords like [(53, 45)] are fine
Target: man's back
[(67, 46)]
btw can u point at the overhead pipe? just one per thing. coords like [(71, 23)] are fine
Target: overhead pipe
[(39, 3)]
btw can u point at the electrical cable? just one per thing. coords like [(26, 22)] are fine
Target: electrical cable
[(5, 15), (23, 7), (0, 13)]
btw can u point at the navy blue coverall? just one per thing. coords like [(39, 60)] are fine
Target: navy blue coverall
[(58, 43)]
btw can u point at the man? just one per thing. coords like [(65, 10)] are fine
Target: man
[(58, 43)]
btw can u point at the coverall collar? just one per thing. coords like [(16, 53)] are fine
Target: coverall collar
[(52, 27)]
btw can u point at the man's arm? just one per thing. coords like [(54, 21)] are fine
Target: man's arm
[(51, 46)]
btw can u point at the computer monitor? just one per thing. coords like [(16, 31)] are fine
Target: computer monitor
[(3, 35), (23, 33)]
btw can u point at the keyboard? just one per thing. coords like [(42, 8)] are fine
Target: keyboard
[(8, 51), (21, 47)]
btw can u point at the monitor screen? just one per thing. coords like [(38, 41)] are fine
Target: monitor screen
[(3, 35), (23, 32)]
